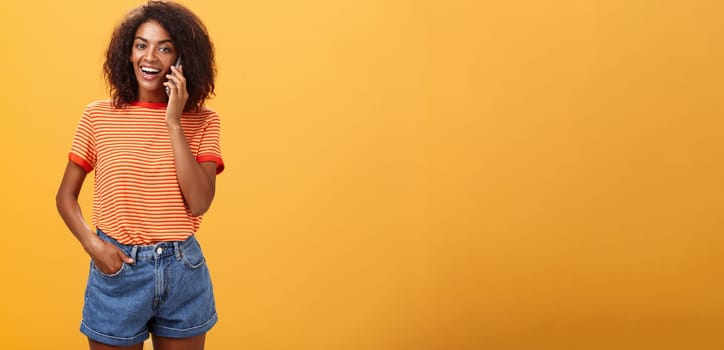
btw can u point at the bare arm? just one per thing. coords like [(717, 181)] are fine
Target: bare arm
[(197, 180), (107, 257)]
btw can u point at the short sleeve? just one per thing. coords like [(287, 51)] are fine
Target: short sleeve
[(210, 147), (83, 148)]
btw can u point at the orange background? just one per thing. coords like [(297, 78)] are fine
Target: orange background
[(408, 174)]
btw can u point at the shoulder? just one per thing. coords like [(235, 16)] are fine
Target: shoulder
[(205, 110), (99, 106), (205, 113)]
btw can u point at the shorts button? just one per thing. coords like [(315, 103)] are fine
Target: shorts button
[(159, 250)]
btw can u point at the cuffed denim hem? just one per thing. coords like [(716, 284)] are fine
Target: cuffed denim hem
[(111, 340)]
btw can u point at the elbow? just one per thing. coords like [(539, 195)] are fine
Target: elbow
[(199, 208), (65, 200), (198, 202), (59, 200)]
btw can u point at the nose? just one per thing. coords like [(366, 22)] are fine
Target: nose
[(149, 56)]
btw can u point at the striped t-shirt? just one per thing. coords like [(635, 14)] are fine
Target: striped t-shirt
[(136, 196)]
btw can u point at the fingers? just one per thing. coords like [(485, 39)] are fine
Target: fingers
[(107, 268), (176, 82), (110, 258), (127, 259), (171, 89), (120, 253), (109, 265)]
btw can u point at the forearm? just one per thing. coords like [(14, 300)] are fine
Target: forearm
[(196, 185), (66, 200), (70, 211), (109, 257)]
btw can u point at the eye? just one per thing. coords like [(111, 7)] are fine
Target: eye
[(165, 49), (140, 46)]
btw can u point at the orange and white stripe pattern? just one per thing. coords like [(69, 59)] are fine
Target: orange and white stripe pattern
[(136, 196)]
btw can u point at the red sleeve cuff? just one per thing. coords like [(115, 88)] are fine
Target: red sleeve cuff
[(207, 158), (80, 161)]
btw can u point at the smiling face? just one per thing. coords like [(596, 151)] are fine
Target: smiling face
[(152, 55)]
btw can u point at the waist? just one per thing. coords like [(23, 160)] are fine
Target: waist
[(150, 251)]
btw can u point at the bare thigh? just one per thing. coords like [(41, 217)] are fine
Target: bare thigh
[(193, 343), (94, 345)]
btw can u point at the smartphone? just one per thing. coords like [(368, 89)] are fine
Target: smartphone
[(176, 64)]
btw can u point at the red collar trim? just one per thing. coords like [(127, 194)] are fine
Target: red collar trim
[(153, 105)]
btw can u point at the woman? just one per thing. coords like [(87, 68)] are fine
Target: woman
[(155, 151)]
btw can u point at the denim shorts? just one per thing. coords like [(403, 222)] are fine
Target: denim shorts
[(166, 291)]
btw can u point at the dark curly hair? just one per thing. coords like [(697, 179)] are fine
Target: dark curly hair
[(192, 43)]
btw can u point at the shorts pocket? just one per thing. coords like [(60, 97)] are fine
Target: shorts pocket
[(192, 256), (106, 275)]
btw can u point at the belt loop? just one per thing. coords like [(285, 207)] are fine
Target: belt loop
[(134, 249), (177, 250)]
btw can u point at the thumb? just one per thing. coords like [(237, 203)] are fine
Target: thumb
[(125, 257)]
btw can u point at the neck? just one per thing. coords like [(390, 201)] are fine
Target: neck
[(152, 96)]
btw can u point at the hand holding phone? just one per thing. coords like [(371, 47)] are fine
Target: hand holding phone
[(176, 64)]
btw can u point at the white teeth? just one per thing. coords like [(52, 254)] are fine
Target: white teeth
[(150, 70)]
